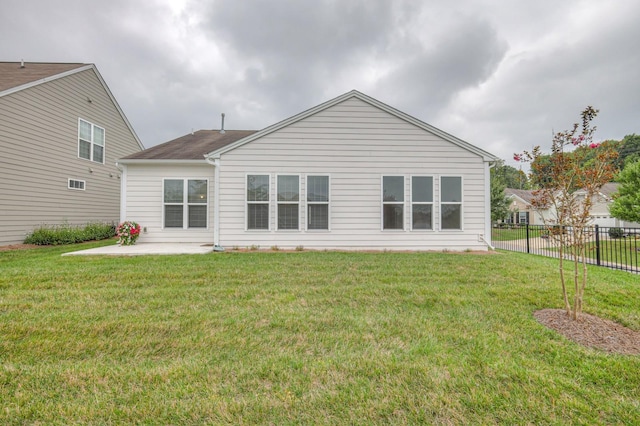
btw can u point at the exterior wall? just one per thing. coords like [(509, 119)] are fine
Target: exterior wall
[(144, 201), (356, 144), (39, 153)]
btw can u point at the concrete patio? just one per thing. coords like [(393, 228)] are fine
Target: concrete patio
[(145, 248)]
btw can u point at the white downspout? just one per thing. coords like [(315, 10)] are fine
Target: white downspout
[(216, 202)]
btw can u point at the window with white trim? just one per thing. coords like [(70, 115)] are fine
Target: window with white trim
[(185, 203), (258, 202), (76, 184), (318, 202), (421, 202), (450, 202), (288, 197), (392, 202), (90, 141)]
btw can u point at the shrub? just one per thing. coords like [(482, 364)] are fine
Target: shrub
[(616, 232), (53, 235)]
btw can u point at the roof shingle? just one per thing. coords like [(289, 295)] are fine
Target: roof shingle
[(12, 74), (192, 146)]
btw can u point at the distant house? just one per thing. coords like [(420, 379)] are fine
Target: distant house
[(61, 131), (351, 173), (521, 210)]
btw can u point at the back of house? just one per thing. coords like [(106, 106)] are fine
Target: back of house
[(351, 173), (61, 131)]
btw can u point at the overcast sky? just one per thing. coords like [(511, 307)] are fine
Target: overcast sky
[(501, 75)]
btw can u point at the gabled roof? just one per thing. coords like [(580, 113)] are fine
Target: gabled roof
[(17, 76), (367, 99), (193, 146), (523, 194)]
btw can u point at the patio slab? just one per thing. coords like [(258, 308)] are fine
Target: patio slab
[(145, 248)]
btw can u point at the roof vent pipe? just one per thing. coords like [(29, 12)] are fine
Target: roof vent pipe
[(222, 125), (22, 63)]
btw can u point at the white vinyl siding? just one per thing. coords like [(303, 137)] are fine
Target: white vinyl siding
[(451, 217), (91, 141), (356, 144), (318, 211), (421, 202)]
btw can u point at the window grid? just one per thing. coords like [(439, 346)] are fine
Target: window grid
[(393, 202), (317, 202), (185, 199), (91, 141), (451, 203), (258, 188), (76, 184), (288, 196), (421, 202)]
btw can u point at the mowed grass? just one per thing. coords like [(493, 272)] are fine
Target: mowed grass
[(511, 234), (304, 338)]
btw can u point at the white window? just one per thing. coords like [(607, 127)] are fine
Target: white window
[(258, 202), (318, 202), (450, 202), (76, 184), (421, 202), (185, 203), (90, 141), (523, 217), (392, 202), (288, 197)]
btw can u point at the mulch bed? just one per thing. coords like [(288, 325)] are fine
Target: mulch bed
[(592, 331)]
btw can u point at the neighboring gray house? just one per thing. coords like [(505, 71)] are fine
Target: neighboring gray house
[(352, 173), (61, 131)]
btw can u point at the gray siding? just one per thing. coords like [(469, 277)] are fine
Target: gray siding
[(356, 144), (39, 153)]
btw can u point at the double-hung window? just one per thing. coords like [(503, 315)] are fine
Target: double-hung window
[(318, 202), (421, 202), (288, 201), (185, 203), (392, 202), (258, 202), (90, 141), (450, 202)]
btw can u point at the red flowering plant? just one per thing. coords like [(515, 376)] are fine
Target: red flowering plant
[(127, 233)]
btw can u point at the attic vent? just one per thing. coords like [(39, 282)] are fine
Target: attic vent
[(222, 125)]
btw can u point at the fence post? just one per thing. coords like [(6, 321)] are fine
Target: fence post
[(598, 245), (527, 227)]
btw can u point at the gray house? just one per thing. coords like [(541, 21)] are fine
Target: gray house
[(351, 173), (61, 131)]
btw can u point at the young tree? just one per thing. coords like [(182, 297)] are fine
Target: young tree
[(566, 171), (626, 204)]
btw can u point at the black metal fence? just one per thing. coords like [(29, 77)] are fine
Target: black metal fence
[(616, 248)]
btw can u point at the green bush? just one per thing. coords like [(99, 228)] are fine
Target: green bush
[(616, 232), (55, 235)]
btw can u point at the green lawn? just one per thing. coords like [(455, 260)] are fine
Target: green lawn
[(304, 337), (510, 234)]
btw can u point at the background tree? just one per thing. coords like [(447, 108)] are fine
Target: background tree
[(510, 176), (626, 204), (630, 149), (499, 200), (559, 175)]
